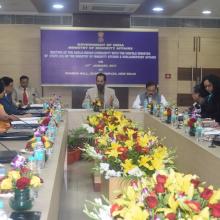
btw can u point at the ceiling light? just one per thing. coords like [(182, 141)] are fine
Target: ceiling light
[(58, 6), (206, 12), (0, 6), (157, 9)]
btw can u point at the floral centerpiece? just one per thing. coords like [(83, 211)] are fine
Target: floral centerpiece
[(97, 104), (123, 150), (192, 126), (168, 114), (20, 181), (167, 195)]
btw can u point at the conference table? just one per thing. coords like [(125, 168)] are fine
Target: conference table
[(191, 156), (48, 200)]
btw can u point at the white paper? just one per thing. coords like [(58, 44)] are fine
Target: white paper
[(30, 118), (23, 123), (36, 105)]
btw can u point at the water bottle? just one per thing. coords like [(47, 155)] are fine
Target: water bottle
[(145, 105), (185, 121), (199, 131), (162, 113), (32, 164), (40, 156), (3, 215)]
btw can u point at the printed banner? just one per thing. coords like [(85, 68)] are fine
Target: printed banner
[(76, 56)]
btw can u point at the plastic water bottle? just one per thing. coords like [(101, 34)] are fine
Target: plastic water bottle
[(199, 131), (162, 113), (40, 156), (32, 164), (3, 215), (145, 105)]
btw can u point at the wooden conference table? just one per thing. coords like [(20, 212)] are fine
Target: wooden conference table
[(192, 156), (48, 200)]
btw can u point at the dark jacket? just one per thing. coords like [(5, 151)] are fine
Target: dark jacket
[(211, 108), (9, 107)]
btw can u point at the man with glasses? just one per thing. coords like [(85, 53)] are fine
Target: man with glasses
[(150, 95)]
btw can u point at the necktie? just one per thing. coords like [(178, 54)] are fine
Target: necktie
[(25, 98)]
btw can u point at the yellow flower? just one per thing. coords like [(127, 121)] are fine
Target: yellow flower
[(203, 215), (129, 144), (93, 120), (157, 163), (35, 181), (118, 114), (6, 184), (47, 144), (136, 213), (113, 151), (128, 165), (143, 140), (15, 175), (130, 133), (172, 203), (144, 160), (215, 197), (102, 140)]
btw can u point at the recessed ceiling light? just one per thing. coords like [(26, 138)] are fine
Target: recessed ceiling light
[(157, 9), (206, 12), (58, 6)]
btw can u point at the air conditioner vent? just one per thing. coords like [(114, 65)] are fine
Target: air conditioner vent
[(107, 7)]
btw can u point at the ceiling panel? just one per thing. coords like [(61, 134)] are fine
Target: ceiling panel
[(172, 8), (195, 9), (18, 6)]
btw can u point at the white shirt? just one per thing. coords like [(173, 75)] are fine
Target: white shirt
[(137, 102)]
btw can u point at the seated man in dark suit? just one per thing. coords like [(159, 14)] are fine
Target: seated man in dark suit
[(9, 107)]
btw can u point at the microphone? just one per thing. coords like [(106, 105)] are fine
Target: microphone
[(30, 125)]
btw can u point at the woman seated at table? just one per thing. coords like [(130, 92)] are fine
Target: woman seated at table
[(211, 106), (4, 117)]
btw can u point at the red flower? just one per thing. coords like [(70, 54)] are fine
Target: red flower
[(22, 183), (195, 206), (114, 208), (121, 137), (191, 122), (171, 216), (134, 135), (151, 201), (206, 194), (123, 156), (122, 149), (159, 188), (111, 134), (215, 210), (138, 148), (161, 178), (195, 182), (45, 121)]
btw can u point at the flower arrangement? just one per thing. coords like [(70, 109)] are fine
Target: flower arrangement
[(20, 179), (167, 195), (97, 104), (123, 150), (192, 122)]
